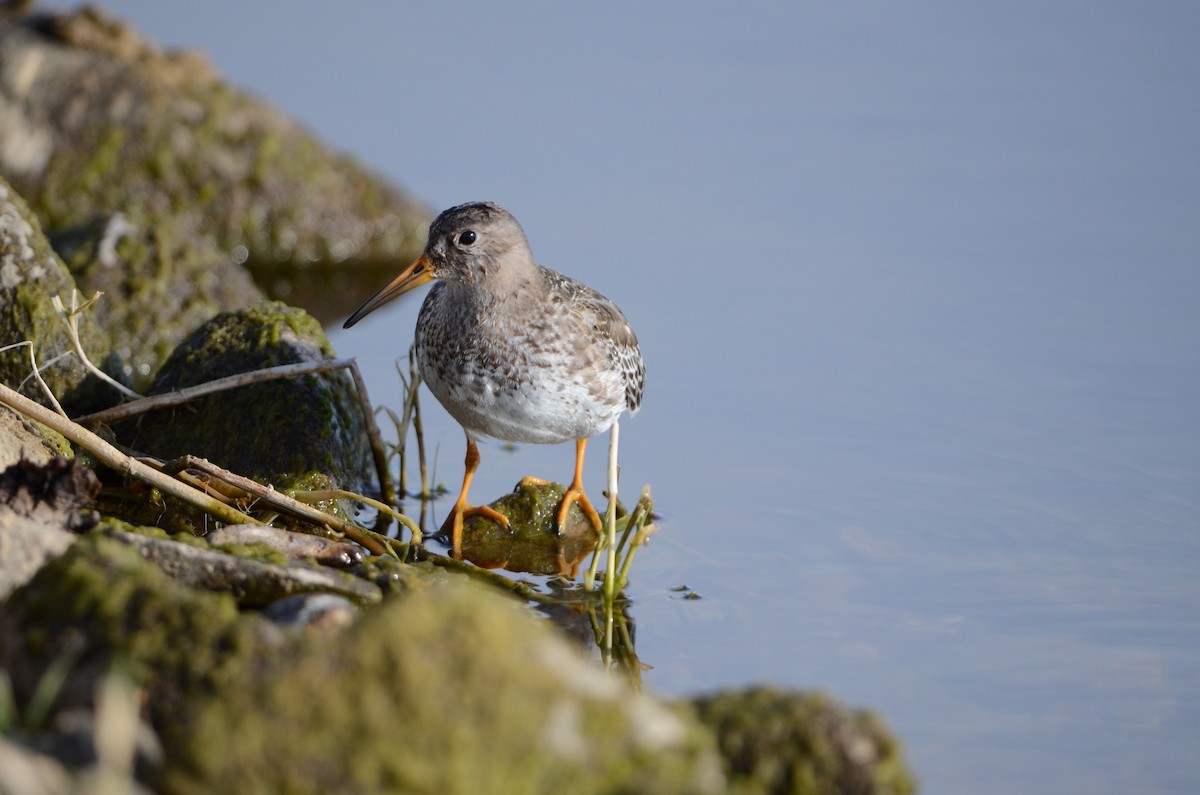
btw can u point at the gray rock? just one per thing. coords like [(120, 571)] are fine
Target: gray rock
[(24, 439), (25, 771), (25, 546), (325, 551), (321, 612), (253, 583), (159, 283)]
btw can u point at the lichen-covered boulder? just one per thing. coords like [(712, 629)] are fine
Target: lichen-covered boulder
[(31, 275), (304, 432), (159, 283), (95, 119)]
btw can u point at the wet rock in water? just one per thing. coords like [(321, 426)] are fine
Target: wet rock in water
[(160, 283), (305, 432), (446, 690), (31, 275), (99, 120), (325, 551), (776, 741), (532, 543), (254, 583)]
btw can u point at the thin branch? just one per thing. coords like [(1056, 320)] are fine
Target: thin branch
[(178, 397), (282, 502), (71, 319), (387, 489), (36, 374), (342, 494)]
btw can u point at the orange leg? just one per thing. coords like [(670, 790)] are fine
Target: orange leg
[(574, 492), (460, 511)]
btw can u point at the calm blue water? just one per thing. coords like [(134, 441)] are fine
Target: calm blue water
[(917, 285)]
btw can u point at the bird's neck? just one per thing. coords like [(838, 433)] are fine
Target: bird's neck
[(494, 292)]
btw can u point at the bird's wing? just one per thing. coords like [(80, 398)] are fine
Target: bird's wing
[(613, 331)]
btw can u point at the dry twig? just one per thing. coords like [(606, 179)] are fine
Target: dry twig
[(115, 459)]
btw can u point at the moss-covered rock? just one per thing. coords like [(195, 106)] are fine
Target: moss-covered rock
[(99, 120), (305, 432), (101, 604), (160, 284), (448, 690), (774, 741), (31, 275)]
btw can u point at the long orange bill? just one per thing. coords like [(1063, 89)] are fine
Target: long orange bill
[(414, 275)]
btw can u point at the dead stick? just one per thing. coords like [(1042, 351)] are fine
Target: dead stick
[(387, 488), (281, 501), (180, 396), (115, 459)]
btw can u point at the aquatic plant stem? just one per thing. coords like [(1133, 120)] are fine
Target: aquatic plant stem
[(610, 516)]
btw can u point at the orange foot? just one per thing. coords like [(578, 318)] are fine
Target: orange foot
[(454, 524), (574, 493)]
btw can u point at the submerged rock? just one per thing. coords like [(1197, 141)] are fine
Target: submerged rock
[(532, 542)]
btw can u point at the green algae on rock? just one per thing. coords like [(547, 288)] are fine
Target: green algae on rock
[(306, 432), (774, 741), (447, 690), (532, 543)]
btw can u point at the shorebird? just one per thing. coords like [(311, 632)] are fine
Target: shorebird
[(514, 350)]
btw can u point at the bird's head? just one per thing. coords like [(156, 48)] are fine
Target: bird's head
[(473, 244)]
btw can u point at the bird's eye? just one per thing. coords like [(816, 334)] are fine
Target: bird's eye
[(466, 238)]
